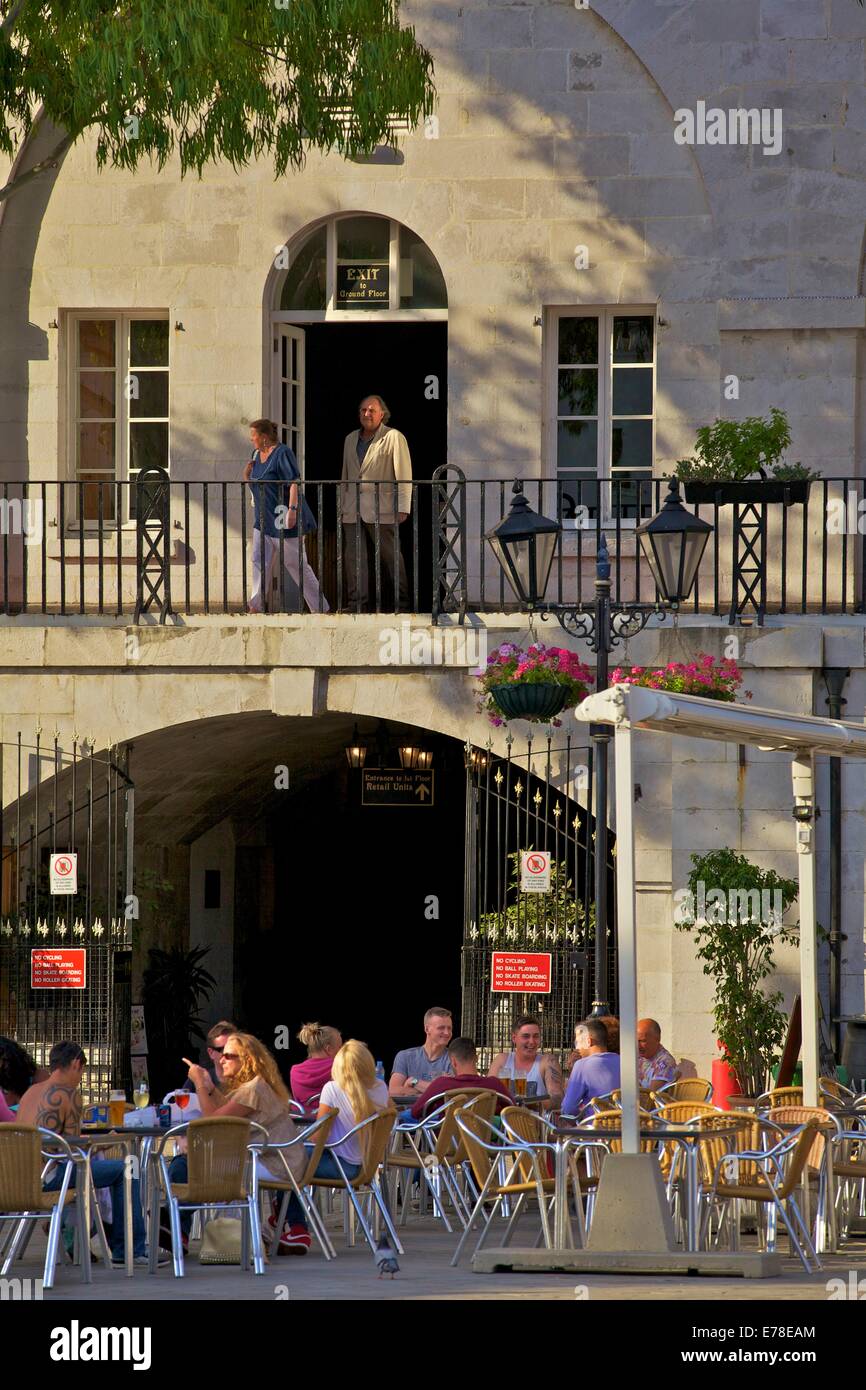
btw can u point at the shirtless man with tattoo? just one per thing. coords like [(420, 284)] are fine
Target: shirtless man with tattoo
[(55, 1104)]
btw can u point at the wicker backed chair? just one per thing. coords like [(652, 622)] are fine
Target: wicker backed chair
[(22, 1162), (679, 1112), (535, 1130), (217, 1159), (849, 1173), (775, 1174), (262, 1180), (816, 1168), (444, 1152), (782, 1095), (367, 1182), (687, 1088), (525, 1176)]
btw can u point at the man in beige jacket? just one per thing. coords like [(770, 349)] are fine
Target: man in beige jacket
[(377, 482)]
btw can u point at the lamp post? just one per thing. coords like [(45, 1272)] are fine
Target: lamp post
[(673, 543)]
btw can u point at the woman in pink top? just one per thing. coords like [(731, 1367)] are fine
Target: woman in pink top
[(307, 1078)]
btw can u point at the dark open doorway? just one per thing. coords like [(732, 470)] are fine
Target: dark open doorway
[(354, 915), (406, 364)]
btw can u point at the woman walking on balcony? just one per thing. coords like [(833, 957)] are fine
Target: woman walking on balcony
[(277, 511)]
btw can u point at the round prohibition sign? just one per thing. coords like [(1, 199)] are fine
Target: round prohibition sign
[(536, 863), (63, 866)]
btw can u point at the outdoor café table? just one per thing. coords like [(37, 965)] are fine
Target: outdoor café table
[(687, 1135), (100, 1136)]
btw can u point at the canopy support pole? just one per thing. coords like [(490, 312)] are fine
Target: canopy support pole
[(626, 936), (803, 778)]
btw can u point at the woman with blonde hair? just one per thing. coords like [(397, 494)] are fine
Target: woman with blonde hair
[(251, 1087), (308, 1078), (355, 1094)]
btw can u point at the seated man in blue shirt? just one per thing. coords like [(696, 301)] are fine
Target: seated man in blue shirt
[(597, 1072)]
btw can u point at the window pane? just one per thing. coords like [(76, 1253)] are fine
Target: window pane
[(422, 285), (304, 285), (577, 490), (363, 238), (96, 395), (93, 489), (631, 442), (96, 338), (578, 340), (577, 445), (148, 343), (633, 391), (96, 448), (148, 394), (578, 392), (633, 339), (628, 490), (148, 446)]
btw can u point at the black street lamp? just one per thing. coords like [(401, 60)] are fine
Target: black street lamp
[(673, 544)]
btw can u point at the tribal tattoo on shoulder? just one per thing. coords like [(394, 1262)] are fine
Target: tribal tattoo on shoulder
[(59, 1109)]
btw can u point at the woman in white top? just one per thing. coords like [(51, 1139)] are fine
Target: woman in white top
[(355, 1094)]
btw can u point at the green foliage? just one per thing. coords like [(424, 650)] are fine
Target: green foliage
[(731, 450), (229, 80), (539, 918), (738, 956), (174, 986)]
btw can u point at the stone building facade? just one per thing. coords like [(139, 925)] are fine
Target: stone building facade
[(549, 188)]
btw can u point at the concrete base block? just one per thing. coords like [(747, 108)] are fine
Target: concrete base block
[(752, 1264), (632, 1211)]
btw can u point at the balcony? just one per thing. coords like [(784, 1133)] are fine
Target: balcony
[(162, 550)]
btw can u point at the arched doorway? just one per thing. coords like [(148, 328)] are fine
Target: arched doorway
[(360, 307)]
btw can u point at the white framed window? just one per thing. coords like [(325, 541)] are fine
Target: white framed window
[(117, 406), (600, 386), (358, 263)]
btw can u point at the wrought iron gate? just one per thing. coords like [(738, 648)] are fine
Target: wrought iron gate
[(514, 804), (58, 802)]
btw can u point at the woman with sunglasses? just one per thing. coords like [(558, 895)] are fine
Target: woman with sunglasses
[(251, 1087)]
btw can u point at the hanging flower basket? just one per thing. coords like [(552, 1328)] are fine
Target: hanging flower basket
[(537, 702), (536, 684), (706, 677)]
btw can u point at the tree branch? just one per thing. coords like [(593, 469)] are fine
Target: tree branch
[(9, 22), (51, 162)]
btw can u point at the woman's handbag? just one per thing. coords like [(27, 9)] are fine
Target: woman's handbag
[(221, 1242)]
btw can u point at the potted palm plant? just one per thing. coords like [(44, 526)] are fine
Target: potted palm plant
[(740, 461)]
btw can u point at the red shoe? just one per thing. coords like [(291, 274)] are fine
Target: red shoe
[(294, 1240)]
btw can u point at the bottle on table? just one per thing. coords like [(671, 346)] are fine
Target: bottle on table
[(380, 1071)]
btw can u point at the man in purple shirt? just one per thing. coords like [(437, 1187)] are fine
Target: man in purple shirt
[(597, 1072)]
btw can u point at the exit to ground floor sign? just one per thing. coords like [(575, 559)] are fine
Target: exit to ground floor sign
[(516, 972)]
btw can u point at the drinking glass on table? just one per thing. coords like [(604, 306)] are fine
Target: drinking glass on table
[(520, 1085), (141, 1094), (181, 1099)]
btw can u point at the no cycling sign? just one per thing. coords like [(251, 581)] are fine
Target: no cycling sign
[(63, 873), (534, 871)]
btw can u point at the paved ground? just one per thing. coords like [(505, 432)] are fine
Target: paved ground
[(425, 1274)]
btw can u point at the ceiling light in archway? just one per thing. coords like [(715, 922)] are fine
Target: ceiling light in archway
[(356, 751)]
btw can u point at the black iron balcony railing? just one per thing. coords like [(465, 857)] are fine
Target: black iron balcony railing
[(161, 547)]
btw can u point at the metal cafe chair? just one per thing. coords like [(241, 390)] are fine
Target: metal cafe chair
[(849, 1173), (538, 1133), (525, 1175), (771, 1182), (687, 1088), (818, 1166), (218, 1160), (23, 1163), (263, 1182), (367, 1183), (444, 1156), (782, 1095)]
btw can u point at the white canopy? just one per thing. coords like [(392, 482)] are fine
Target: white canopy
[(630, 707)]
